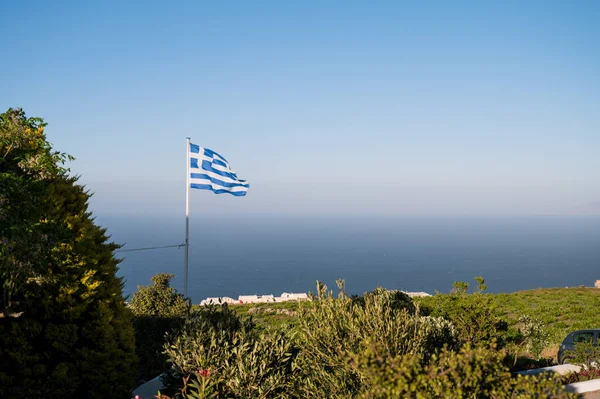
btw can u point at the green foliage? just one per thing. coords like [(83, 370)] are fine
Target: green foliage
[(535, 335), (27, 165), (475, 316), (585, 354), (341, 347), (331, 330), (460, 287), (278, 315), (69, 333), (583, 375), (475, 373), (158, 299), (481, 286), (218, 355), (24, 149), (157, 310), (562, 310), (396, 299)]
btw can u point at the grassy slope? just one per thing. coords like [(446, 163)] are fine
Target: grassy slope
[(266, 314), (562, 309)]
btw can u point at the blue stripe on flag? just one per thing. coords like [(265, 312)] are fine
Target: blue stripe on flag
[(217, 191), (217, 181), (219, 162), (206, 165), (217, 177), (211, 153)]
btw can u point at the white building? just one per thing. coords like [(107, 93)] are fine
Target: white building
[(256, 298), (286, 296), (218, 301), (416, 294)]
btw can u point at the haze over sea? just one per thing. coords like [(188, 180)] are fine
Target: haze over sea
[(244, 255)]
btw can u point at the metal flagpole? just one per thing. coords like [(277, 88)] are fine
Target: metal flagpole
[(187, 214)]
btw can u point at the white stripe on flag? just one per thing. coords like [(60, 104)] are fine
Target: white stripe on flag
[(210, 174)]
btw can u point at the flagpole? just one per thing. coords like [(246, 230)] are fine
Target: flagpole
[(187, 214)]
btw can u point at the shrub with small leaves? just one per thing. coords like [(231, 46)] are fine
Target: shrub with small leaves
[(585, 354), (158, 299), (217, 355), (469, 373), (475, 316), (330, 329), (535, 335)]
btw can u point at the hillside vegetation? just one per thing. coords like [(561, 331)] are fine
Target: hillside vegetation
[(379, 345), (561, 309)]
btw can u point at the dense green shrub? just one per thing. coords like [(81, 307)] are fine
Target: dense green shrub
[(330, 330), (215, 354), (66, 330), (475, 316), (395, 298), (158, 299), (157, 309), (475, 373), (585, 354)]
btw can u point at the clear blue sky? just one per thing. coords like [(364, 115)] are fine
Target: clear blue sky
[(325, 107)]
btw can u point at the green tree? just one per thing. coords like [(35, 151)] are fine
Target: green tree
[(27, 166), (158, 309), (475, 316), (70, 333), (158, 299)]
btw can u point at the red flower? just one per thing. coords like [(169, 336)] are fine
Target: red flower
[(203, 372)]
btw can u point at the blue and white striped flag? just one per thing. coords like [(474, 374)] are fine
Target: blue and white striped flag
[(210, 171)]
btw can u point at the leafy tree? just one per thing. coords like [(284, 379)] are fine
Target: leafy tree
[(70, 333), (158, 299), (475, 316), (158, 309), (27, 165)]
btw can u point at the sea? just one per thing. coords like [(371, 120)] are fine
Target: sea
[(232, 256)]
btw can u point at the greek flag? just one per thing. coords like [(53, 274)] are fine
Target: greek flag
[(210, 171)]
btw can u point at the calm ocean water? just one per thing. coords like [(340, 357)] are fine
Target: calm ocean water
[(229, 257)]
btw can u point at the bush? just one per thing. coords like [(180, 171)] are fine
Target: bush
[(217, 355), (157, 309), (469, 373), (158, 299), (330, 330), (585, 354), (396, 299), (67, 332), (475, 316), (535, 335)]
